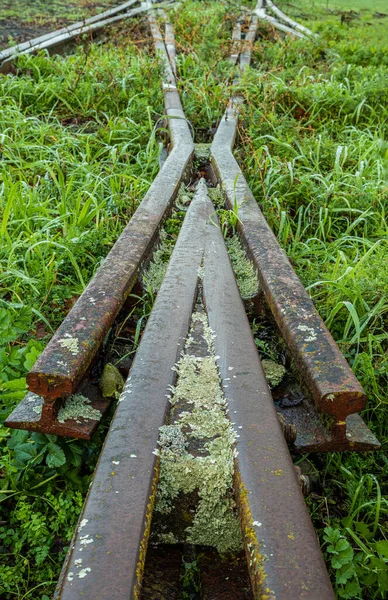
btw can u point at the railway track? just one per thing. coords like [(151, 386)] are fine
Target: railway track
[(198, 334)]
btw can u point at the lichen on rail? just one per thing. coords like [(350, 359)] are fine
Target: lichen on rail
[(197, 447)]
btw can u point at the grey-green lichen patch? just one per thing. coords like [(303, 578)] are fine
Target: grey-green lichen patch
[(167, 538), (111, 382), (207, 332), (38, 409), (70, 343), (273, 371), (78, 406), (154, 275), (311, 335), (216, 196), (202, 152), (208, 471), (244, 270)]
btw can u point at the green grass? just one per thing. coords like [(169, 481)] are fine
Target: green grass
[(362, 40), (21, 19), (363, 5), (78, 154), (314, 135)]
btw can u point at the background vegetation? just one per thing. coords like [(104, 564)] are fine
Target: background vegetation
[(78, 153)]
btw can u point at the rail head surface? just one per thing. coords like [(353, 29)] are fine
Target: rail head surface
[(283, 553), (323, 369)]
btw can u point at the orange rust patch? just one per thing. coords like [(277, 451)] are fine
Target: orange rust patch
[(147, 529), (252, 547)]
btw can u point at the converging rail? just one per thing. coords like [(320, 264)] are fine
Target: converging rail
[(284, 559), (288, 25), (60, 368), (108, 552)]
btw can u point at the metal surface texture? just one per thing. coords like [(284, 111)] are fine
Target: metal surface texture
[(249, 40), (283, 554), (111, 539), (61, 367), (322, 367), (170, 45), (314, 433), (34, 415)]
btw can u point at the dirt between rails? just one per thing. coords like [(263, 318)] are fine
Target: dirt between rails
[(21, 20)]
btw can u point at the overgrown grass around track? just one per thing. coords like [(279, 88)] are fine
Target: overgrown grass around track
[(78, 154), (21, 20)]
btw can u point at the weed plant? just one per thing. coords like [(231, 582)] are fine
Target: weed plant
[(78, 154)]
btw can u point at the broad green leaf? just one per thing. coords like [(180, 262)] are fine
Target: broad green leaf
[(344, 574), (56, 456), (31, 358), (382, 548), (14, 384), (364, 530)]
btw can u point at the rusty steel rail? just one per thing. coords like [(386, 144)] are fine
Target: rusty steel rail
[(61, 367), (55, 41), (107, 555), (170, 45), (52, 34), (279, 13), (323, 369), (108, 551), (111, 540), (264, 16), (283, 554), (249, 40)]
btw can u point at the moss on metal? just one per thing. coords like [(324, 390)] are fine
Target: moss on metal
[(244, 270), (153, 276), (216, 196), (78, 406), (209, 471), (202, 152), (273, 371)]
